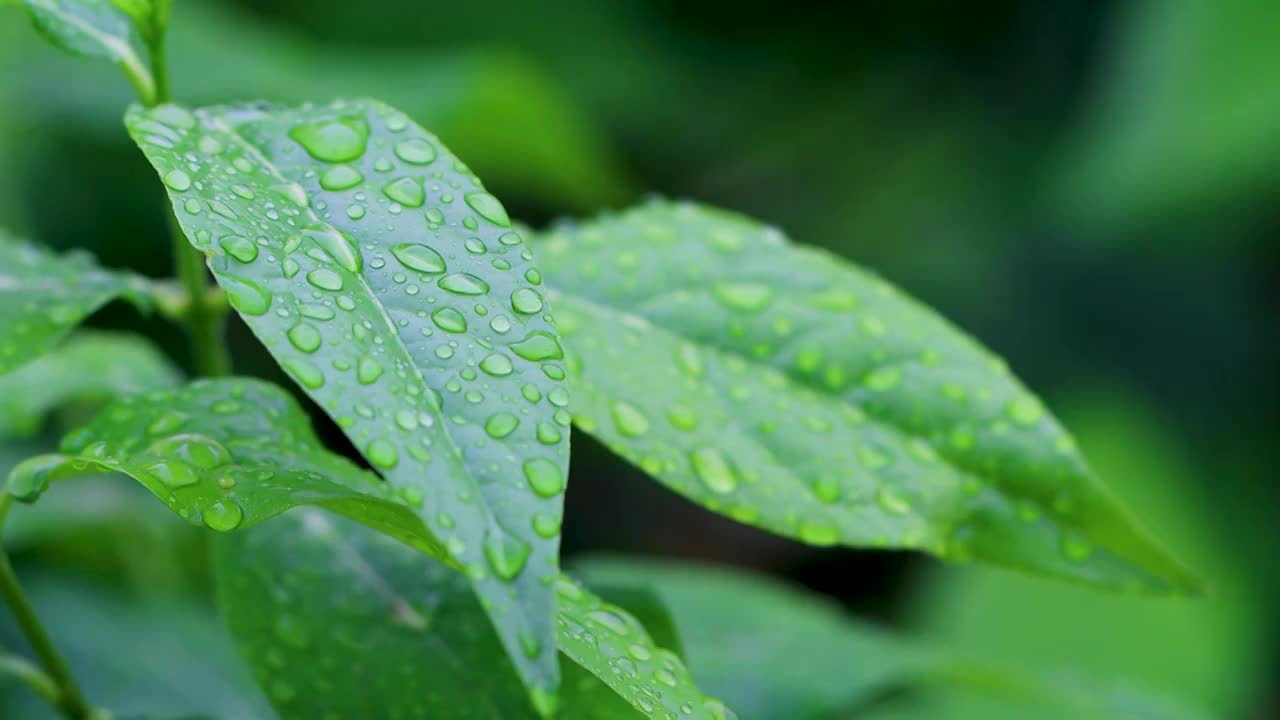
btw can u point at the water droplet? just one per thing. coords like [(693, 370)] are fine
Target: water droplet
[(488, 207), (382, 453), (223, 516), (304, 337), (1075, 547), (629, 420), (449, 320), (241, 248), (200, 451), (546, 525), (464, 284), (415, 151), (743, 296), (526, 301), (884, 378), (497, 365), (544, 477), (818, 533), (340, 177), (690, 360), (714, 470), (339, 247), (506, 553), (548, 434), (682, 417), (306, 373), (892, 502), (325, 279), (419, 257), (538, 345), (173, 474), (1025, 410), (335, 142), (177, 180), (406, 190), (368, 370), (500, 425)]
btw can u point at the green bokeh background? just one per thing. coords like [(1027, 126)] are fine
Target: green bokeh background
[(1090, 188)]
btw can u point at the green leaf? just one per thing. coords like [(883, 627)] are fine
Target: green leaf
[(96, 29), (228, 454), (788, 389), (44, 295), (150, 17), (140, 655), (788, 654), (388, 283), (399, 635), (89, 366)]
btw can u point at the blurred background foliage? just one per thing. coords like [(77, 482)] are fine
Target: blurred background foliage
[(1090, 188)]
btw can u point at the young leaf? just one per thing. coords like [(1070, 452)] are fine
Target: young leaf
[(787, 653), (150, 17), (400, 635), (379, 273), (228, 454), (44, 295), (90, 365), (790, 390), (98, 29)]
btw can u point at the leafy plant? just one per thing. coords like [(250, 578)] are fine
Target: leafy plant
[(771, 383)]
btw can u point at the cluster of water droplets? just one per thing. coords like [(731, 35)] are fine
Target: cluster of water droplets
[(616, 648), (832, 378)]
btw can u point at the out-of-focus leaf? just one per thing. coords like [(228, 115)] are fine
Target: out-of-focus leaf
[(91, 365), (337, 619), (511, 120), (44, 295), (1184, 121), (97, 29), (379, 273), (1209, 650), (158, 657), (150, 17), (788, 389), (789, 655)]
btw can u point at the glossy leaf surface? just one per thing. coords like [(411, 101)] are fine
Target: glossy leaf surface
[(386, 632), (91, 365), (98, 29), (788, 389), (379, 273), (44, 295)]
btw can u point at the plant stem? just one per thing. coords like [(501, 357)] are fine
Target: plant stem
[(205, 316), (68, 698)]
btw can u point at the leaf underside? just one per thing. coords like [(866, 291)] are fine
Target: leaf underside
[(381, 276), (44, 295), (387, 632), (788, 389)]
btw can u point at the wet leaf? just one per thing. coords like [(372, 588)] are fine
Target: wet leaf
[(91, 365), (97, 29), (378, 272), (399, 635), (788, 389), (43, 296)]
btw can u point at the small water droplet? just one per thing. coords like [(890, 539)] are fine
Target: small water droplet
[(544, 477), (629, 419), (382, 453), (406, 190), (714, 470), (506, 553), (177, 180), (415, 151), (500, 425), (526, 301), (497, 365), (325, 279), (743, 296), (464, 284), (488, 207)]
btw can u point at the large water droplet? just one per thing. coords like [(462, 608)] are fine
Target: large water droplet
[(241, 248), (538, 345), (336, 141), (177, 180), (415, 151), (419, 257), (464, 284), (500, 425), (306, 373), (526, 301), (714, 470), (488, 207), (304, 337), (629, 419), (340, 177), (406, 190), (224, 515), (382, 454), (244, 295), (506, 553), (497, 365), (544, 477), (325, 279), (338, 246), (200, 451), (368, 370)]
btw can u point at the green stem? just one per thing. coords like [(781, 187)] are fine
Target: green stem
[(206, 315), (68, 698)]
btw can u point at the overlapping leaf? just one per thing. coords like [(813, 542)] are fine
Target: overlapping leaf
[(98, 29), (788, 654), (379, 273), (788, 389), (90, 365), (398, 635), (44, 295), (227, 454)]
